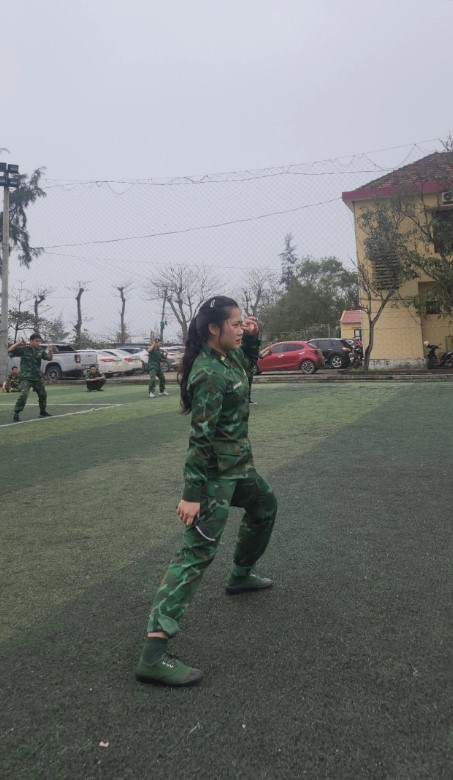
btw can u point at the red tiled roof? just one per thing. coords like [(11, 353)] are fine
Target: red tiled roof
[(351, 317), (433, 173)]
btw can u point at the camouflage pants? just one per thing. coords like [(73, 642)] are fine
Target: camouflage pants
[(156, 372), (40, 390), (95, 385), (186, 570)]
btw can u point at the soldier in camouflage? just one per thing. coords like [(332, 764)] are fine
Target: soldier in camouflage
[(94, 379), (30, 372), (155, 359), (219, 472), (12, 383)]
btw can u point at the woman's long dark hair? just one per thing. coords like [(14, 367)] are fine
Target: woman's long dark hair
[(214, 311)]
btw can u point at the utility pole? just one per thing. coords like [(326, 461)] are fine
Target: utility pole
[(9, 177)]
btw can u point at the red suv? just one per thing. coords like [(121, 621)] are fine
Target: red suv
[(290, 356)]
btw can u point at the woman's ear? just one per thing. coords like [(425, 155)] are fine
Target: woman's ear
[(214, 330)]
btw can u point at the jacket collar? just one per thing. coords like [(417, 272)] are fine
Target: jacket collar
[(211, 352)]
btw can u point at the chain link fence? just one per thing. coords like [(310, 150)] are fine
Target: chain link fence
[(103, 236)]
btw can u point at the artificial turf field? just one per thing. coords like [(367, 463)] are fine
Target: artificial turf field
[(342, 670)]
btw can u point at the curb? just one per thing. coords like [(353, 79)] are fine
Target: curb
[(341, 375)]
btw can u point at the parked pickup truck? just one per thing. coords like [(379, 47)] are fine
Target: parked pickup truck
[(66, 362)]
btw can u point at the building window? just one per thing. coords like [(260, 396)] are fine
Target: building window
[(385, 263), (432, 307), (443, 232)]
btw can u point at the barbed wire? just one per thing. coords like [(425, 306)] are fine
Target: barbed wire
[(252, 174)]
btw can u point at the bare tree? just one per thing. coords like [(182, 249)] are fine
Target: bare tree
[(38, 321), (184, 287), (20, 317), (382, 273), (77, 328), (123, 335), (373, 300), (259, 291)]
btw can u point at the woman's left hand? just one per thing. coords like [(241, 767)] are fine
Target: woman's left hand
[(250, 325), (187, 511)]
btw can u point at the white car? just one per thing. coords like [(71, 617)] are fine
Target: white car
[(134, 362), (110, 364), (175, 353), (174, 360)]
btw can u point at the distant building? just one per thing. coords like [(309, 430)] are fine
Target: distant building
[(400, 331), (351, 324)]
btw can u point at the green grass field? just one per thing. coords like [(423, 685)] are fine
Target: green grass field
[(342, 670)]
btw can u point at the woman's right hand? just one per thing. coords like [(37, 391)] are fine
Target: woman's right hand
[(187, 511)]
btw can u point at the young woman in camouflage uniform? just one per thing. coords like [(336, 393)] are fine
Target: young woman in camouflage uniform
[(219, 473)]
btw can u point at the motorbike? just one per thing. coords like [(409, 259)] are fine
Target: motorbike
[(356, 355), (437, 361), (356, 358)]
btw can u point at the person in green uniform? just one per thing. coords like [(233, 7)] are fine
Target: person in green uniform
[(156, 356), (250, 374), (12, 382), (94, 379), (219, 472), (31, 355)]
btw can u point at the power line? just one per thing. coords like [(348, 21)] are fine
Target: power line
[(111, 262), (191, 229)]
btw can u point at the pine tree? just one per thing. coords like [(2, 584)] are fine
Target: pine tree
[(19, 200), (289, 262)]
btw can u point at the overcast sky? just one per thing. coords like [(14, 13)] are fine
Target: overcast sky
[(103, 89)]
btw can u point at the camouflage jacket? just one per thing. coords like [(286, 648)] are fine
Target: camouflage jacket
[(155, 358), (13, 382), (30, 361), (95, 375), (218, 442)]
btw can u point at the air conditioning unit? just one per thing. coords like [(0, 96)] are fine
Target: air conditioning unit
[(447, 198)]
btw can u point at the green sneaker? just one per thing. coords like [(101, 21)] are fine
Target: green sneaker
[(249, 582), (167, 670)]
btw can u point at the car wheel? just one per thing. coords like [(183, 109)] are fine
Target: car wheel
[(165, 366), (307, 367), (53, 372), (336, 361)]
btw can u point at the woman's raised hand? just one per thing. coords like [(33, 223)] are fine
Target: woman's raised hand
[(250, 325)]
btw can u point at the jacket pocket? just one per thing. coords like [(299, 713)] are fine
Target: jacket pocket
[(232, 455)]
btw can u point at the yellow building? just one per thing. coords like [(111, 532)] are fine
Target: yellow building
[(400, 331), (351, 324)]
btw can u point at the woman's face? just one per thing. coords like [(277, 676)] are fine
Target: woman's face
[(230, 336)]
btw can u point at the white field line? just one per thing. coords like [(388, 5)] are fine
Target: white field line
[(90, 405), (65, 414)]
